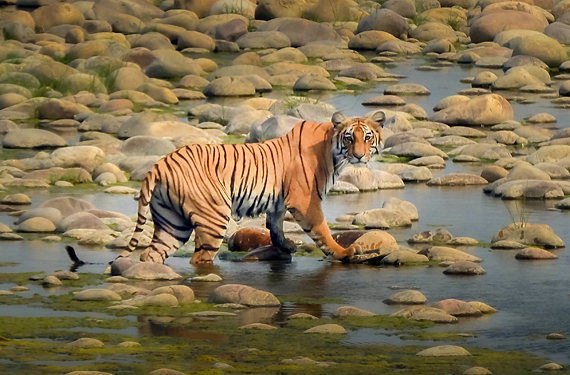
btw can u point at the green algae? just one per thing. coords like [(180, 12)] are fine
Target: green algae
[(8, 264)]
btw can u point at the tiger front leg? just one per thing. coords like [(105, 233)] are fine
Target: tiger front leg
[(274, 223), (313, 222)]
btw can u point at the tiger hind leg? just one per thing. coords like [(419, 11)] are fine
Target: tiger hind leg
[(171, 231), (208, 239)]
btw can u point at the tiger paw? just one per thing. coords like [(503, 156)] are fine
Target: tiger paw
[(288, 246), (151, 256)]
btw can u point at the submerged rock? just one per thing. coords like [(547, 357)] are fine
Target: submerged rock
[(351, 311), (327, 329), (444, 351), (244, 295), (150, 271), (406, 297)]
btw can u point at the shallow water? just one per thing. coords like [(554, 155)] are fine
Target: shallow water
[(532, 297)]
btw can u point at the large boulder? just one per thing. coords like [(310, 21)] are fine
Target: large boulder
[(269, 9), (57, 14), (385, 20), (244, 295), (488, 109), (547, 49), (32, 138), (433, 30), (67, 205), (488, 26), (81, 220), (529, 234), (86, 157), (273, 127), (264, 39), (302, 31), (229, 86), (56, 109), (370, 40), (158, 129)]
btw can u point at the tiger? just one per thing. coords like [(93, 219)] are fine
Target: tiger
[(199, 187)]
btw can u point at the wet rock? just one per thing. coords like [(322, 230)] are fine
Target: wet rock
[(50, 281), (127, 290), (533, 253), (438, 235), (382, 218), (81, 220), (508, 245), (493, 173), (129, 344), (445, 254), (244, 295), (406, 297), (116, 279), (150, 271), (96, 295), (351, 311), (10, 237), (211, 277), (406, 89), (182, 293), (556, 336), (166, 371), (19, 289), (464, 267), (85, 343), (488, 109), (267, 252), (529, 234), (399, 257), (327, 329), (247, 239), (457, 179), (551, 367), (258, 326), (16, 199), (462, 241), (483, 307), (36, 225), (32, 138), (425, 313), (302, 316), (163, 299), (444, 351), (457, 308)]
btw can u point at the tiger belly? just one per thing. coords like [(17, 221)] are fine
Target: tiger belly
[(253, 204)]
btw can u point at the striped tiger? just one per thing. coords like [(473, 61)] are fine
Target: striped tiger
[(198, 187)]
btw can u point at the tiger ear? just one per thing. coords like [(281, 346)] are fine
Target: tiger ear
[(337, 119), (379, 117)]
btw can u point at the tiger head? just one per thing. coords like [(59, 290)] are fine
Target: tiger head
[(356, 140)]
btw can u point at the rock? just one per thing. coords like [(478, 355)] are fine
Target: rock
[(483, 307), (270, 9), (85, 343), (244, 295), (529, 234), (194, 39), (462, 241), (438, 235), (129, 344), (258, 326), (369, 40), (263, 39), (416, 150), (32, 138), (351, 311), (382, 218), (551, 367), (163, 299), (482, 110), (457, 179), (542, 47), (421, 313), (56, 14), (86, 157), (464, 268), (50, 281), (451, 101), (229, 86), (182, 293), (313, 82), (165, 371), (211, 277), (491, 24), (150, 271), (508, 245), (551, 336), (445, 254), (36, 225), (327, 329), (384, 20), (302, 316), (80, 220), (444, 351), (406, 89), (267, 252), (212, 314), (406, 297), (457, 307), (301, 31), (400, 257), (247, 239), (96, 295), (377, 240), (533, 253), (493, 173)]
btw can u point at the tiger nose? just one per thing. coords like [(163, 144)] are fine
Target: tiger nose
[(358, 156)]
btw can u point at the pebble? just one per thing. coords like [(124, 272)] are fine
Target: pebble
[(212, 277), (51, 281), (556, 336), (19, 289), (551, 367)]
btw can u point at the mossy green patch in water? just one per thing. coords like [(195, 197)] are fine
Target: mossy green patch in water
[(433, 336), (8, 264)]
